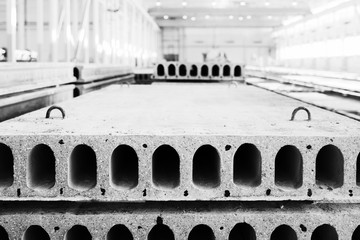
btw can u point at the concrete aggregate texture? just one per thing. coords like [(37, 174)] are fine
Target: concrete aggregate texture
[(282, 223)]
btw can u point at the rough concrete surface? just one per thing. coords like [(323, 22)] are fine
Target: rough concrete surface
[(185, 117), (276, 223)]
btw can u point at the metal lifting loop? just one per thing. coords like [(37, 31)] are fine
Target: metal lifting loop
[(298, 109), (55, 107)]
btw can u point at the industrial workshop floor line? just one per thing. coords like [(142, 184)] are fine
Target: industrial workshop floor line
[(180, 142)]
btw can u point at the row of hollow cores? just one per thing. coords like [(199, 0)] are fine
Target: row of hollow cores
[(204, 71), (199, 232), (206, 167)]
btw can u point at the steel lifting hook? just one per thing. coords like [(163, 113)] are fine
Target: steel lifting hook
[(55, 107), (298, 109)]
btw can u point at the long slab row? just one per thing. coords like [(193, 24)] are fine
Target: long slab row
[(15, 78), (96, 72), (238, 224), (198, 71)]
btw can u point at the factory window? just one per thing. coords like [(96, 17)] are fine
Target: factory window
[(3, 234), (124, 169), (78, 232), (204, 71), (215, 71), (356, 234), (237, 71), (283, 232), (193, 71), (201, 232), (161, 70), (166, 167), (82, 168), (330, 167), (172, 70), (182, 70), (35, 232), (242, 231), (226, 71), (119, 232), (289, 167), (206, 167), (247, 166), (161, 231), (6, 166), (358, 170), (41, 167), (324, 232)]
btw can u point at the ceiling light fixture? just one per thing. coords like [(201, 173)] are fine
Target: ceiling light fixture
[(267, 3), (207, 17), (185, 17), (193, 18), (242, 3), (270, 17), (248, 17), (294, 3), (213, 4), (166, 17), (231, 17), (241, 18), (158, 3), (184, 3)]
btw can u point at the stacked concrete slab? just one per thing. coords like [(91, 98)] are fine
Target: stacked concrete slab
[(180, 161), (92, 77), (26, 87), (199, 71)]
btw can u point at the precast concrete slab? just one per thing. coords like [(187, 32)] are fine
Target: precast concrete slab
[(320, 223), (209, 71), (180, 142), (96, 72), (21, 77)]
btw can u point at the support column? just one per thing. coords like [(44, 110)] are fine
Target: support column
[(87, 32), (134, 30), (21, 24), (67, 30), (40, 29), (11, 30), (95, 31), (75, 22), (125, 27), (53, 24)]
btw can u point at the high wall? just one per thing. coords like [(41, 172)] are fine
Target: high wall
[(328, 40)]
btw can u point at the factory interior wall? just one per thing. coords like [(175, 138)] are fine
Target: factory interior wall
[(241, 45), (327, 40)]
